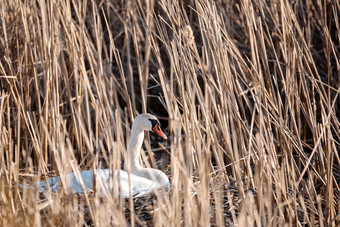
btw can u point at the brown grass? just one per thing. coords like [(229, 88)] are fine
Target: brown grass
[(247, 91)]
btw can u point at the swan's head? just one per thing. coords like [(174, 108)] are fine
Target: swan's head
[(149, 122)]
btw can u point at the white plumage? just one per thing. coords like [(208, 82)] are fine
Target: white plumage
[(143, 180)]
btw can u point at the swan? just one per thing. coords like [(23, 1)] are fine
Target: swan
[(143, 180)]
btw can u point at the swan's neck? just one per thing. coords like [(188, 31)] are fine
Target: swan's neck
[(132, 164), (133, 152)]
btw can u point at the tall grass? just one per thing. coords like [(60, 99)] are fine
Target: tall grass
[(247, 91)]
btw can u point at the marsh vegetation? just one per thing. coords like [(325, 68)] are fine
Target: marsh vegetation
[(246, 91)]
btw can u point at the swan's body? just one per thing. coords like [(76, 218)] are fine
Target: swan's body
[(105, 181), (143, 180)]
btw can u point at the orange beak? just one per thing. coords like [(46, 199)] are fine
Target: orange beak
[(159, 131)]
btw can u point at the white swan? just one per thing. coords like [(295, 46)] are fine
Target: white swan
[(143, 180)]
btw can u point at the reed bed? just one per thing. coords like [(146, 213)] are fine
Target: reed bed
[(247, 92)]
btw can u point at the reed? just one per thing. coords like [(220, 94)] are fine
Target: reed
[(247, 91)]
